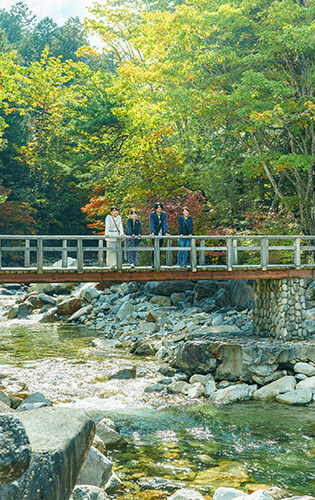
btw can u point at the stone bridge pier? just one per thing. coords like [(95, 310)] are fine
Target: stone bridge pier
[(279, 308)]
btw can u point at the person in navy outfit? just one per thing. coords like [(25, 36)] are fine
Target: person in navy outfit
[(135, 231), (185, 228), (158, 224)]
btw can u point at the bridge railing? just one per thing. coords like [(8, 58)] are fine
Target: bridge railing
[(88, 252)]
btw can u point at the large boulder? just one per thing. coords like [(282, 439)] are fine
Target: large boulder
[(167, 287), (5, 408), (280, 386), (194, 357), (15, 451), (233, 393), (308, 383), (69, 306), (305, 368), (205, 289), (48, 288), (60, 439), (297, 397), (242, 294)]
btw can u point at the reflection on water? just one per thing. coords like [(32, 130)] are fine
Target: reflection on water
[(172, 444)]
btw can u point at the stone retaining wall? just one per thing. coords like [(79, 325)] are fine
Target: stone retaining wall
[(279, 308)]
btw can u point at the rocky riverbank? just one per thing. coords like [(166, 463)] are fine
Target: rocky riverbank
[(203, 336), (202, 333)]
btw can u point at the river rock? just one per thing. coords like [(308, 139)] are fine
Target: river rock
[(205, 289), (24, 309), (308, 383), (96, 469), (210, 388), (125, 310), (167, 287), (305, 368), (280, 386), (83, 311), (47, 299), (113, 484), (111, 438), (15, 451), (143, 347), (59, 439), (88, 492), (89, 294), (41, 288), (233, 393), (33, 402), (223, 493), (5, 408), (196, 390), (177, 297), (69, 306), (242, 294), (12, 312), (178, 386), (161, 300), (64, 288), (4, 398), (297, 397), (258, 495), (232, 474), (35, 300), (186, 494), (194, 356), (202, 379), (124, 373), (222, 298), (99, 444)]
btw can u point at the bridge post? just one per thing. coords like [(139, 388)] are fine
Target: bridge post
[(157, 255), (279, 308), (119, 254)]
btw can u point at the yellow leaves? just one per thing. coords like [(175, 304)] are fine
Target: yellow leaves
[(87, 51)]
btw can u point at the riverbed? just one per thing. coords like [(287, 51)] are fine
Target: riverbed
[(173, 442)]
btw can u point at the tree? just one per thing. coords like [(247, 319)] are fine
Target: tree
[(241, 73)]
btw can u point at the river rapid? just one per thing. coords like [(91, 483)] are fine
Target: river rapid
[(173, 443)]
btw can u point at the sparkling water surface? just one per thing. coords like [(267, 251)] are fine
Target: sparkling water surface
[(172, 442)]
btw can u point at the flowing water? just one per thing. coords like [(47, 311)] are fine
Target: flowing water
[(172, 443)]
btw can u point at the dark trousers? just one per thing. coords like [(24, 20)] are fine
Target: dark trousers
[(161, 241)]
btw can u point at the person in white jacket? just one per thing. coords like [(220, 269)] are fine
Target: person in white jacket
[(113, 227)]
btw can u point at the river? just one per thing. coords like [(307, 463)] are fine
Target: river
[(172, 443)]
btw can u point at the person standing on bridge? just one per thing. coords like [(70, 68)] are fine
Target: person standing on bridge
[(158, 225), (185, 228), (113, 228), (135, 231)]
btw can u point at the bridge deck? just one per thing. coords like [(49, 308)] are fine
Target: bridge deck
[(147, 275)]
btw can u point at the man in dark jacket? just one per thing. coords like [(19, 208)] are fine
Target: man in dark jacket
[(158, 225)]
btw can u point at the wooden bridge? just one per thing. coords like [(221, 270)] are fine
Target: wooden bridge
[(51, 258)]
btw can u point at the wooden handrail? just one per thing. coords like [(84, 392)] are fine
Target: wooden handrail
[(228, 252)]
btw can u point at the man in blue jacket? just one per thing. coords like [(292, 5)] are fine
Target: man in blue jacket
[(158, 225)]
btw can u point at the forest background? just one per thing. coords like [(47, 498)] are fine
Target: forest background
[(208, 103)]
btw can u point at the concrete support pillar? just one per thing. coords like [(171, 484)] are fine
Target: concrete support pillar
[(279, 308)]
